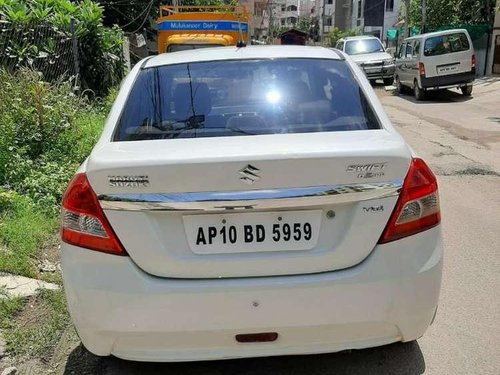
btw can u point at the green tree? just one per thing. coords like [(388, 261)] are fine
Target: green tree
[(449, 12), (474, 11), (304, 24), (439, 13), (137, 15), (335, 34)]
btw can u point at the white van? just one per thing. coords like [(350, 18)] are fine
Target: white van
[(436, 61)]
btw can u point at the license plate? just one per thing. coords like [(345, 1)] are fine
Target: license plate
[(373, 70), (252, 232), (447, 69)]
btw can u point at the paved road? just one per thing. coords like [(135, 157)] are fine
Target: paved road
[(461, 140)]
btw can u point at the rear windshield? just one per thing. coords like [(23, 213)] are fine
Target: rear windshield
[(244, 97), (358, 47), (443, 44), (183, 47)]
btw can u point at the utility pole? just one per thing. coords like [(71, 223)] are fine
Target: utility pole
[(348, 5), (424, 16), (407, 18), (322, 22), (270, 11)]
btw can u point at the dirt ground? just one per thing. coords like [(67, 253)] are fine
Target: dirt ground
[(460, 138)]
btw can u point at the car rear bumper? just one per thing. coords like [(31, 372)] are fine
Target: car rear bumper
[(120, 310), (447, 81)]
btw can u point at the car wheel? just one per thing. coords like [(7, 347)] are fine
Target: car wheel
[(399, 86), (466, 90), (418, 92), (388, 81)]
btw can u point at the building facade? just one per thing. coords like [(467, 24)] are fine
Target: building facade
[(269, 16), (375, 16), (493, 63), (327, 14), (288, 13)]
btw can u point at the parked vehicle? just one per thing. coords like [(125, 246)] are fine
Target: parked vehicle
[(184, 27), (213, 222), (369, 53), (436, 61)]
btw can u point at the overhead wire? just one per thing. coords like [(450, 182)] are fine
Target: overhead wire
[(145, 18), (141, 14)]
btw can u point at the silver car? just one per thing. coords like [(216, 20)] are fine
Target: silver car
[(369, 53)]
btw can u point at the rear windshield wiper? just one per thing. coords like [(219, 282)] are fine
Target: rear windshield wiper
[(170, 128), (240, 131)]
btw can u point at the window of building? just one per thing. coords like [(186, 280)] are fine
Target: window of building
[(329, 1), (360, 8), (291, 8), (328, 21), (283, 21), (389, 5)]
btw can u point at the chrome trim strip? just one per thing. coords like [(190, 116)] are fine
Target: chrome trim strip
[(251, 199)]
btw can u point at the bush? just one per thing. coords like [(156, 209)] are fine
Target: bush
[(37, 34), (46, 132)]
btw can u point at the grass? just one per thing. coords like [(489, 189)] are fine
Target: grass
[(9, 308), (41, 147), (37, 327), (89, 127), (24, 229)]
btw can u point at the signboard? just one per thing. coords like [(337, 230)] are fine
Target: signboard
[(392, 34), (203, 26)]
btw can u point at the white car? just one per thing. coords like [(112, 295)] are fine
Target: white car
[(369, 53), (246, 202)]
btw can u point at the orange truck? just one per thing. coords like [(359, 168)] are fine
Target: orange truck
[(191, 27)]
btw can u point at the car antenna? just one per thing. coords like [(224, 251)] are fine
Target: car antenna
[(241, 43)]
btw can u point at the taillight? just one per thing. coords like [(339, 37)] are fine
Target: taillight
[(473, 61), (83, 222), (421, 69), (417, 208)]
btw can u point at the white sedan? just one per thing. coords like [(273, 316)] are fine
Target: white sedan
[(246, 202)]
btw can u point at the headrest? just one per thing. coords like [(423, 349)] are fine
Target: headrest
[(196, 94)]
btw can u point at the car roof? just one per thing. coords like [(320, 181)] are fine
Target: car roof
[(359, 37), (436, 33), (243, 53)]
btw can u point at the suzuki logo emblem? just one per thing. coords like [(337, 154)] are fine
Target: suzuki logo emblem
[(249, 174)]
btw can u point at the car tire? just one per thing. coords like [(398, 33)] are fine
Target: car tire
[(399, 86), (418, 92), (388, 81), (466, 90)]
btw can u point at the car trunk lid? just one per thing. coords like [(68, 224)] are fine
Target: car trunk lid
[(335, 192)]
